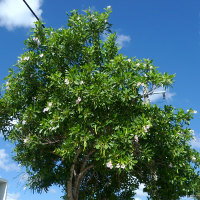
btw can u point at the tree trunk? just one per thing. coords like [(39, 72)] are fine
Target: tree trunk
[(74, 181)]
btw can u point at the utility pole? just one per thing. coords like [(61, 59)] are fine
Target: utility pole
[(146, 94)]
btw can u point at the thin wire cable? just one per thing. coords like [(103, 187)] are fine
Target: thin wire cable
[(33, 12)]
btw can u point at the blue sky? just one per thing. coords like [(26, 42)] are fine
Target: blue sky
[(166, 31)]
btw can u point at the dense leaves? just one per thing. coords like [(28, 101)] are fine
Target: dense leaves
[(74, 108)]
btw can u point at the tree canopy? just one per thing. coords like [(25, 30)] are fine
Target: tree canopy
[(74, 107)]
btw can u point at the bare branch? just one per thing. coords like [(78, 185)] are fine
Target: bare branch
[(86, 159), (79, 179)]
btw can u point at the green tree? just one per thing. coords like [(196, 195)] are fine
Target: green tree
[(81, 122)]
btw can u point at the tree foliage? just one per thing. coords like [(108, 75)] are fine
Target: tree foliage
[(81, 122)]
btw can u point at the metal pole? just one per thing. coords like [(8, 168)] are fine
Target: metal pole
[(146, 94), (33, 12)]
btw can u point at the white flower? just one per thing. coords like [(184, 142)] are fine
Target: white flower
[(118, 165), (108, 7), (35, 39), (67, 81), (194, 111), (52, 128), (145, 65), (26, 58), (95, 19), (106, 21), (46, 109), (81, 83), (192, 131), (50, 104), (136, 138), (25, 140), (139, 84), (78, 18), (129, 60), (123, 166), (78, 100), (20, 59), (41, 55), (109, 165), (138, 64), (151, 67), (170, 165), (148, 126), (155, 177), (145, 129), (194, 159), (24, 122)]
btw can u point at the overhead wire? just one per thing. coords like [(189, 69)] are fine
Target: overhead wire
[(33, 12)]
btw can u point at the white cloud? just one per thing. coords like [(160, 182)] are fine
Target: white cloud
[(196, 142), (52, 191), (13, 196), (156, 97), (122, 39), (169, 95), (23, 178), (5, 162), (139, 192), (195, 145), (15, 14)]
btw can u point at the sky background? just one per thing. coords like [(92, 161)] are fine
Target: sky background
[(166, 31)]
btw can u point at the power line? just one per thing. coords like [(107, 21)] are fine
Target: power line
[(33, 12)]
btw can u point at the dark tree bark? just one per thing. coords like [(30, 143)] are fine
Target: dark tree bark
[(74, 181)]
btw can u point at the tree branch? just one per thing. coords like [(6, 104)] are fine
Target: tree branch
[(82, 173), (69, 182), (86, 159), (79, 179)]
